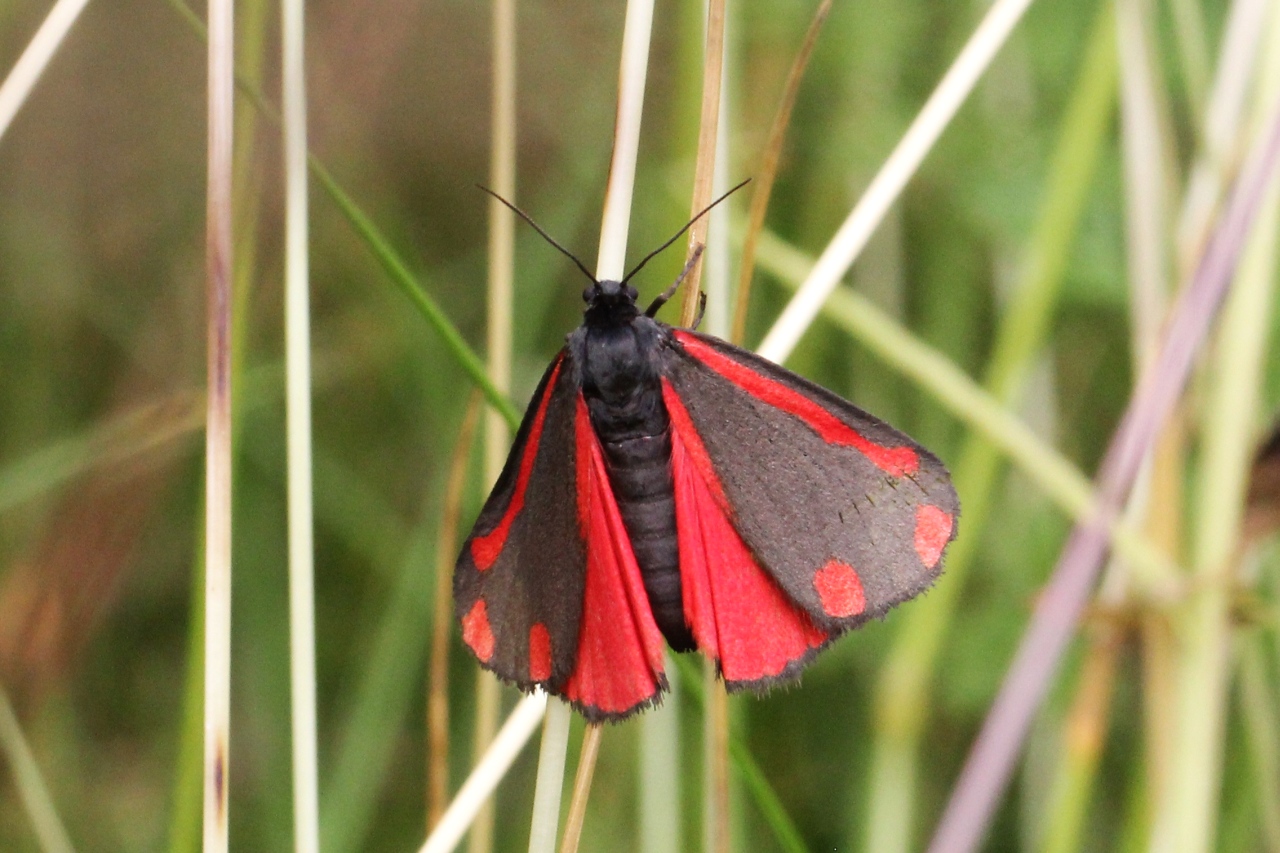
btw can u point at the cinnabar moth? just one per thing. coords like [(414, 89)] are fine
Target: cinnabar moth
[(666, 485)]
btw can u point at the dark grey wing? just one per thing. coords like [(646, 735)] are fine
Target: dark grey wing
[(847, 514), (518, 585)]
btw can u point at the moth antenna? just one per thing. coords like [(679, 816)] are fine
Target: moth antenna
[(680, 233), (545, 236)]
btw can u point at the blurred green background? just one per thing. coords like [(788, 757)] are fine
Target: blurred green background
[(102, 349)]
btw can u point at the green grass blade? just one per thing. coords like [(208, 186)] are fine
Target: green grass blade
[(127, 436), (1262, 729), (30, 783), (403, 279)]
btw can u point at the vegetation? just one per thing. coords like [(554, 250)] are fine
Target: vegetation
[(1002, 312)]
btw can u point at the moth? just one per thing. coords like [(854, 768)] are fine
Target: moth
[(667, 488)]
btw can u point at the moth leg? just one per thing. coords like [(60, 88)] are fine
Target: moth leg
[(671, 291), (702, 307)]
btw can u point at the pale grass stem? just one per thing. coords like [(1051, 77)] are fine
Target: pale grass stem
[(615, 222), (487, 773), (501, 278), (552, 753), (581, 788), (1221, 135), (659, 800), (217, 655), (705, 165), (1148, 185), (1146, 176), (302, 628), (35, 57), (889, 182), (716, 260)]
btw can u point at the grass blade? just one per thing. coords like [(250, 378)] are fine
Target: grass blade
[(302, 626), (545, 820), (30, 783), (218, 494), (705, 164), (512, 737), (398, 271), (31, 64), (637, 30), (767, 172), (581, 788), (1262, 726)]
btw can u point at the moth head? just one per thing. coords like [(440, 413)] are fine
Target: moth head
[(607, 292)]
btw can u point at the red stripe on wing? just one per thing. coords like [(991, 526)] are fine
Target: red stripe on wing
[(485, 549), (619, 663), (894, 461), (737, 613)]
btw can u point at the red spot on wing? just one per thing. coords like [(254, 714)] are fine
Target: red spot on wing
[(933, 532), (476, 632), (485, 549), (738, 614), (619, 663), (840, 589), (894, 461), (539, 652)]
